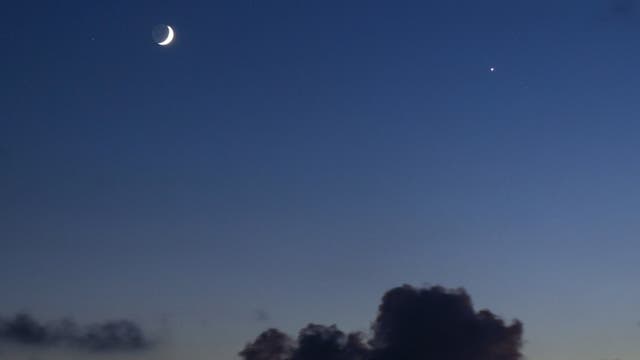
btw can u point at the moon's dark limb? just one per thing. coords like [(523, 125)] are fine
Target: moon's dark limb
[(159, 33)]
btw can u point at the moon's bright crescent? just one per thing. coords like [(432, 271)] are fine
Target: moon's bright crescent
[(169, 38)]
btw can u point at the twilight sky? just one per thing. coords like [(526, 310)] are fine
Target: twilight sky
[(286, 162)]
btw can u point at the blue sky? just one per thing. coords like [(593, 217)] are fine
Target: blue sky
[(301, 158)]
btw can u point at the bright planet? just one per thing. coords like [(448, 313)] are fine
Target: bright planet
[(163, 35)]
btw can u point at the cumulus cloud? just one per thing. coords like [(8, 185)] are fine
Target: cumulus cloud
[(441, 324), (412, 323), (121, 335), (318, 342), (270, 345)]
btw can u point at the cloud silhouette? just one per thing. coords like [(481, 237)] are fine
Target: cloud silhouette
[(270, 345), (121, 335), (412, 324), (318, 342), (441, 324)]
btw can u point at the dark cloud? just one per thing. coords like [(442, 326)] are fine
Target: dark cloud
[(435, 323), (121, 335), (318, 342), (412, 324), (115, 335), (270, 345), (315, 342)]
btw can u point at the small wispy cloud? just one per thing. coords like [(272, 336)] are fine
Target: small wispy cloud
[(119, 335)]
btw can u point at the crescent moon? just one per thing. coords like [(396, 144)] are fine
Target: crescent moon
[(169, 38)]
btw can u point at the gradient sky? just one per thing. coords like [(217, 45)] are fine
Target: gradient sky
[(286, 162)]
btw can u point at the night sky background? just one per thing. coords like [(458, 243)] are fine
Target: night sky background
[(286, 162)]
